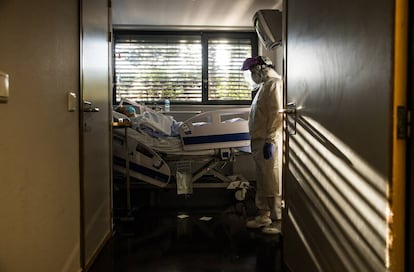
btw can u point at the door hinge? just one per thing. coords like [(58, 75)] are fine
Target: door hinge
[(403, 123), (110, 36)]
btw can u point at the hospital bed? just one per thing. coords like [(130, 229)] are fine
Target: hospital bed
[(166, 153)]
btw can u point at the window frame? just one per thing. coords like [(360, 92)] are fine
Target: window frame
[(205, 36)]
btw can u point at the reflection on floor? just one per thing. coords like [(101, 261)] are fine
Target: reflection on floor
[(173, 239)]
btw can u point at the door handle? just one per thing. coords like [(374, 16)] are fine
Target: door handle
[(91, 110), (291, 116), (87, 107), (290, 109)]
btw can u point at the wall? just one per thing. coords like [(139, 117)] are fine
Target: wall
[(39, 146), (173, 14)]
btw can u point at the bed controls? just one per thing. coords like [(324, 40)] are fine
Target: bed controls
[(226, 154)]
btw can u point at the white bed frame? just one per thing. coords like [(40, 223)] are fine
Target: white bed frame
[(205, 131), (213, 129)]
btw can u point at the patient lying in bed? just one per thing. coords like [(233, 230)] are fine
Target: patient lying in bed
[(149, 121), (225, 128), (159, 145)]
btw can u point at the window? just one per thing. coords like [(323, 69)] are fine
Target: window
[(184, 67)]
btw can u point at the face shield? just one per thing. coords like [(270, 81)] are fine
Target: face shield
[(248, 77)]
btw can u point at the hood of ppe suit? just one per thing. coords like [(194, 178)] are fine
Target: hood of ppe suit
[(261, 74), (265, 119)]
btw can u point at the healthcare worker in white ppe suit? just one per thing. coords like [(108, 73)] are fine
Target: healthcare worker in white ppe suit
[(265, 123)]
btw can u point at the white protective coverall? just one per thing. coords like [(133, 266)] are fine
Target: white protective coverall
[(265, 124)]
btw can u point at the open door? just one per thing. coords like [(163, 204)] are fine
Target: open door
[(96, 200), (341, 146)]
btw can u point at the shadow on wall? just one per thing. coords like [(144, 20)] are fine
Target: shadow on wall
[(340, 197)]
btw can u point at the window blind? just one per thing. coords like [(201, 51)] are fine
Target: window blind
[(189, 68), (226, 81), (153, 69)]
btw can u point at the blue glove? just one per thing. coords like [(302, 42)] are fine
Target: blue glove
[(268, 150)]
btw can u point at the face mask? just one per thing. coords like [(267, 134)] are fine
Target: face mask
[(256, 78), (256, 74)]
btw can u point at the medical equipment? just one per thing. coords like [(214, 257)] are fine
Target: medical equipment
[(161, 149)]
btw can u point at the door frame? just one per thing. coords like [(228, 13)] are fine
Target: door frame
[(397, 199), (409, 249), (96, 226)]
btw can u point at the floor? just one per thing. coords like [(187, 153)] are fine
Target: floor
[(189, 238)]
